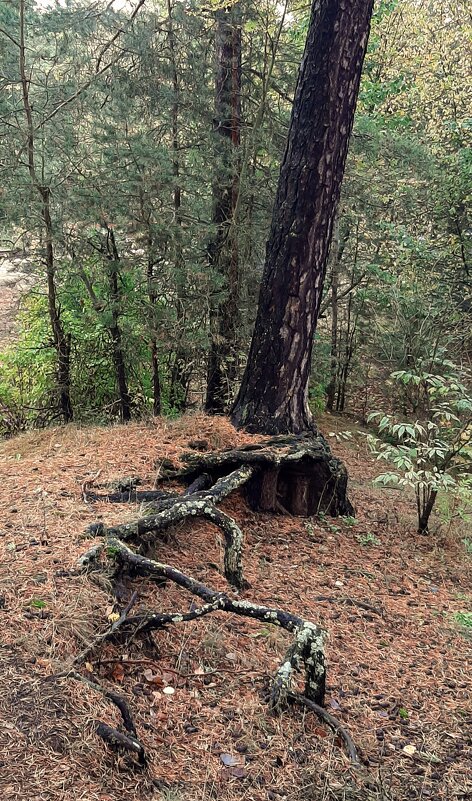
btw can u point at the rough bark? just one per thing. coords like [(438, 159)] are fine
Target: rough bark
[(274, 390), (223, 251)]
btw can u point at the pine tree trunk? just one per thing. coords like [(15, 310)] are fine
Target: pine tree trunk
[(115, 329), (274, 390), (61, 340), (224, 257), (152, 295)]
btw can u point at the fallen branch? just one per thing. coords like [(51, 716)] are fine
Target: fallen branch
[(350, 602)]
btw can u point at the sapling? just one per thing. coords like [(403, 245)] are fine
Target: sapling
[(432, 454)]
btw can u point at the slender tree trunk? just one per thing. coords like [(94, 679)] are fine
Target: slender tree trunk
[(335, 257), (424, 513), (331, 388), (274, 390), (113, 263), (61, 340), (224, 257), (180, 374), (156, 382)]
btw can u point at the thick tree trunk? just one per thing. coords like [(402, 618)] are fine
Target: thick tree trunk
[(273, 394), (224, 257)]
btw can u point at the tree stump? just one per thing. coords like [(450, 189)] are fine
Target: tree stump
[(296, 474)]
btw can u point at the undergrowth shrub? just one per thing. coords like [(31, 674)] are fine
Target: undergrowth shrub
[(432, 454)]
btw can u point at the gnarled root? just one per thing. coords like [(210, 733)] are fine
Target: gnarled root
[(128, 739), (170, 511), (307, 650)]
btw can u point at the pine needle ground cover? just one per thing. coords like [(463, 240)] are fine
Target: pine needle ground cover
[(399, 653)]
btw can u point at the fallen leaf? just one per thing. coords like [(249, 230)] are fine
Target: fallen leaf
[(118, 672), (153, 678)]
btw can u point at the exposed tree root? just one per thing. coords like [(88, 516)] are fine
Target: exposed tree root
[(132, 495), (295, 474), (108, 634), (116, 738), (170, 511), (129, 496), (113, 736), (307, 649), (326, 717)]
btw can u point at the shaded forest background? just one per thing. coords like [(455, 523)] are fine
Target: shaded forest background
[(140, 151)]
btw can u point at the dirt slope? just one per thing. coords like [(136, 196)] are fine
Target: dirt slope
[(399, 681)]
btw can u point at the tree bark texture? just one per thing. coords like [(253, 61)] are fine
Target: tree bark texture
[(223, 251), (274, 390)]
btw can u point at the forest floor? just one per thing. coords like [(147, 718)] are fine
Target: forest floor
[(398, 680)]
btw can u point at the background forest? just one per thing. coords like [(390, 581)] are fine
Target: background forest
[(140, 148)]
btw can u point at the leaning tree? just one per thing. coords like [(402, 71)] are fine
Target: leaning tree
[(273, 394), (294, 473)]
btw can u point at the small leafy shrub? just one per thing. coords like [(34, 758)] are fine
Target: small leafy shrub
[(464, 621), (432, 454), (367, 539)]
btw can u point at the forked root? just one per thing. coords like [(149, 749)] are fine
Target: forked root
[(174, 510), (306, 651)]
